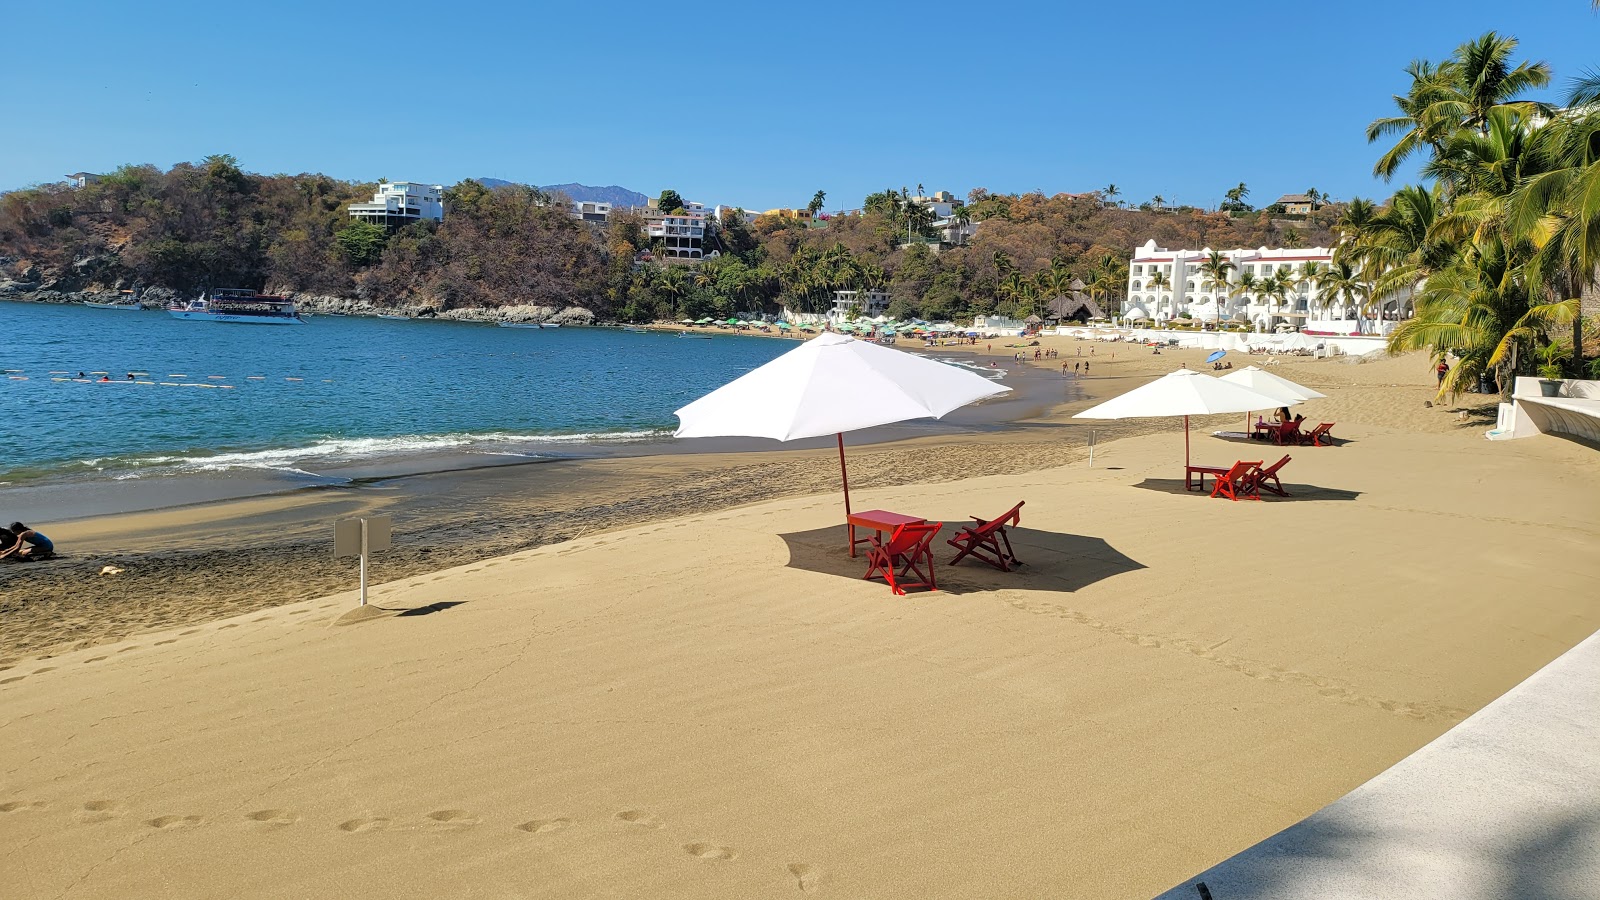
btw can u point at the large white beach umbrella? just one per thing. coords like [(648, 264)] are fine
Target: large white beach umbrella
[(829, 385), (1276, 386), (1182, 393)]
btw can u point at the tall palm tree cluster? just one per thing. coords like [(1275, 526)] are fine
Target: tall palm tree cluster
[(726, 285), (1031, 294), (1497, 248)]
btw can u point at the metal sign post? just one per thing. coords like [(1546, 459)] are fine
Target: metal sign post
[(361, 537)]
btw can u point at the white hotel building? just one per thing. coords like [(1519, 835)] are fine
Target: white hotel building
[(399, 202), (1186, 292)]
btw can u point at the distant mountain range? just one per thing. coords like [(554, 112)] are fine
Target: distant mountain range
[(615, 195)]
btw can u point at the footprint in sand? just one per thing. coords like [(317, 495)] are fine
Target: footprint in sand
[(99, 811), (12, 679), (709, 851), (261, 619), (365, 823), (227, 626), (454, 818), (545, 826), (126, 649), (166, 642), (43, 669), (808, 876), (19, 805), (94, 659), (190, 631), (638, 817), (173, 821), (298, 612), (274, 817)]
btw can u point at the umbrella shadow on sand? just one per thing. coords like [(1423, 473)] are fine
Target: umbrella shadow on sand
[(1296, 491), (1052, 561)]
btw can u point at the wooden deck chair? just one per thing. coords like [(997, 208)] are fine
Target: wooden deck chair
[(1267, 479), (1288, 433), (1238, 482), (986, 539), (1316, 436), (905, 554)]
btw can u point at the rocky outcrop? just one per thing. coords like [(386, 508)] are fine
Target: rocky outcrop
[(350, 306)]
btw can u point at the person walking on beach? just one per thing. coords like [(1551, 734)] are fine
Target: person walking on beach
[(1086, 366), (28, 544), (1442, 370)]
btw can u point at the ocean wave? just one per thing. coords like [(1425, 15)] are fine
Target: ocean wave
[(332, 451)]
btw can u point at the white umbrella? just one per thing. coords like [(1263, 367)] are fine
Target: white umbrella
[(829, 385), (1275, 386), (1182, 393)]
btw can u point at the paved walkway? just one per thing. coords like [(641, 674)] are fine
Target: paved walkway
[(1505, 805)]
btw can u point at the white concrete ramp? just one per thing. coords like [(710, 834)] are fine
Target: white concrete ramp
[(1505, 805)]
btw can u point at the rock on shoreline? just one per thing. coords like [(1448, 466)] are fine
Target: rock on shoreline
[(33, 292)]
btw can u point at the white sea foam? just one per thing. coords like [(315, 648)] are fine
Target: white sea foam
[(291, 460)]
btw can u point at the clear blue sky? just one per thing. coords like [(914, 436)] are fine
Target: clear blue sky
[(752, 104)]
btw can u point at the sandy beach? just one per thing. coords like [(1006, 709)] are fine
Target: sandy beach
[(663, 676)]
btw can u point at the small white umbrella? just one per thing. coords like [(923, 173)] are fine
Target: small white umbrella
[(1275, 386), (829, 385), (1182, 393)]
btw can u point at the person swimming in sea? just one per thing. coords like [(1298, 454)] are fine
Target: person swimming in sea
[(25, 543)]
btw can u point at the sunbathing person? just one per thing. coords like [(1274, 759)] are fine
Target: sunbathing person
[(27, 543)]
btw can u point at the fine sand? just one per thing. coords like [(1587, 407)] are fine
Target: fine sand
[(715, 705)]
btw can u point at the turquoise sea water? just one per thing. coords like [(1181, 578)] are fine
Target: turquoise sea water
[(336, 391)]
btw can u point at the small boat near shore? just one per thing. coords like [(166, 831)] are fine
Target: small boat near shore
[(239, 306), (396, 318), (127, 301)]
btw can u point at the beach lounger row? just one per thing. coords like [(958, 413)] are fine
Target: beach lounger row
[(1289, 434)]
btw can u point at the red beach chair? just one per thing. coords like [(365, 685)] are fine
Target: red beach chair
[(1267, 479), (1238, 482), (987, 540), (904, 554), (1316, 436), (1287, 433)]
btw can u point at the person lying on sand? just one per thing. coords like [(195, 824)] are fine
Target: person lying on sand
[(27, 543)]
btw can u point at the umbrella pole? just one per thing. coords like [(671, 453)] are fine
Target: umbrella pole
[(1185, 450), (842, 476)]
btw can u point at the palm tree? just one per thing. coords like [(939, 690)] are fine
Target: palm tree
[(1158, 281), (1482, 69), (1248, 286), (1423, 121), (1157, 200), (1216, 267), (1236, 196), (815, 206), (1109, 193), (1479, 308), (1277, 289), (1557, 211), (1341, 284)]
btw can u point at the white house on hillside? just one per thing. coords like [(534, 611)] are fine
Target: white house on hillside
[(848, 304), (82, 179), (1169, 284), (399, 202)]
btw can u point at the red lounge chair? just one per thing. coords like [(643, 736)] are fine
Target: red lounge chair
[(1316, 436), (1270, 474), (1238, 482), (1287, 433), (987, 540), (904, 554)]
